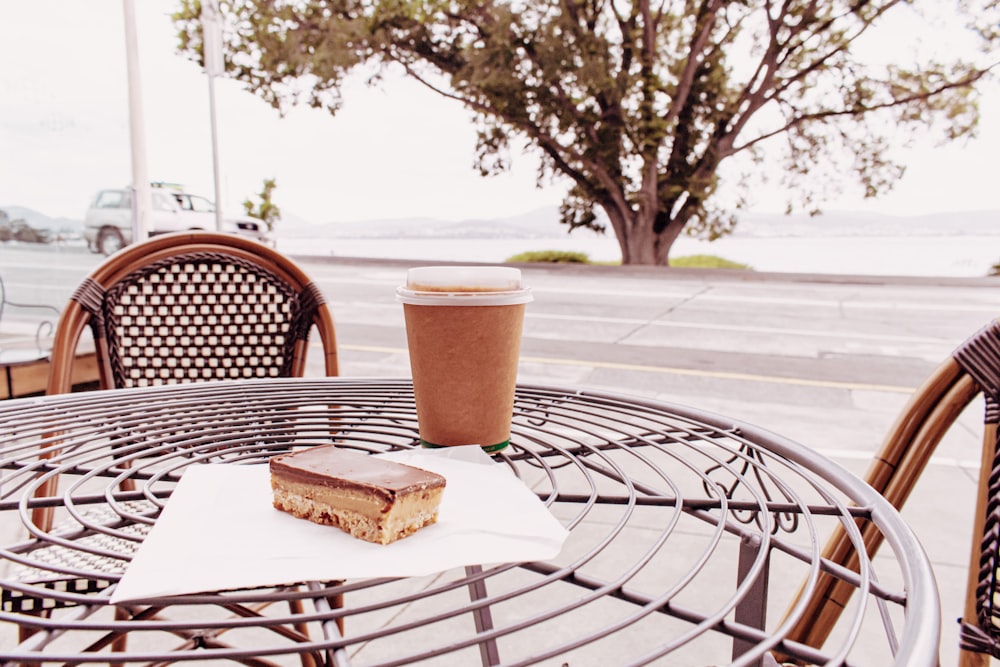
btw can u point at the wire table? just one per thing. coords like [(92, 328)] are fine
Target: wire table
[(691, 535)]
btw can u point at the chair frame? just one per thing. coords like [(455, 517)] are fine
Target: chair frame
[(76, 317), (973, 369), (85, 306), (79, 313)]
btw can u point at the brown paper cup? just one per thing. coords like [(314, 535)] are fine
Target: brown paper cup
[(463, 330)]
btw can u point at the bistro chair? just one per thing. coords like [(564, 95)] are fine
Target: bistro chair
[(184, 307), (973, 368), (193, 306)]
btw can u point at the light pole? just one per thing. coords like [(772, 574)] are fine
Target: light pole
[(211, 30), (142, 199)]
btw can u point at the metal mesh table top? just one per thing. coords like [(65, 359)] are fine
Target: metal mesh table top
[(690, 537)]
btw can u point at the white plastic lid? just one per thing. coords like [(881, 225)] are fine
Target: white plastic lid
[(463, 279), (463, 286)]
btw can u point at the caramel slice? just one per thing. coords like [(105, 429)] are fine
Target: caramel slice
[(371, 498)]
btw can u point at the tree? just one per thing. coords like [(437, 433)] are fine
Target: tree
[(265, 209), (640, 105)]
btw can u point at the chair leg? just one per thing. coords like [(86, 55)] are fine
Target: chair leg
[(296, 607), (970, 659), (23, 634), (970, 616), (893, 473), (118, 643)]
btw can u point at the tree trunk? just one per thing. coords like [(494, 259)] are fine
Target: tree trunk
[(639, 241)]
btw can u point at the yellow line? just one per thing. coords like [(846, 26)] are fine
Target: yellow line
[(723, 375), (373, 348), (666, 370)]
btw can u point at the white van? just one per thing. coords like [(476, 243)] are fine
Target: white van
[(107, 226)]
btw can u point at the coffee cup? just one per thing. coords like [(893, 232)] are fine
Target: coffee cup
[(463, 332)]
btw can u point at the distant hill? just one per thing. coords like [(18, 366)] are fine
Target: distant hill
[(855, 223), (42, 221), (543, 223)]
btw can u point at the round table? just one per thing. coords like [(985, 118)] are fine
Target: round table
[(691, 535)]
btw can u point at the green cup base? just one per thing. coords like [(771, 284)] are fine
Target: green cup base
[(491, 449)]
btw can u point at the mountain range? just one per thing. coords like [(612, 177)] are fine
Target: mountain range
[(544, 223), (39, 220)]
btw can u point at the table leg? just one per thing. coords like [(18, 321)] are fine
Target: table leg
[(751, 610), (338, 657), (484, 619)]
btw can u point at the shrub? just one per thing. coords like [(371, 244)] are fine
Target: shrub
[(551, 256), (706, 262), (689, 261)]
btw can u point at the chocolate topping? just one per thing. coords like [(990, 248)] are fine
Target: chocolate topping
[(336, 467)]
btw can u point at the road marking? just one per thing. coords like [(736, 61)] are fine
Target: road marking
[(667, 370), (738, 327), (724, 375), (863, 455), (846, 301), (703, 326), (366, 348)]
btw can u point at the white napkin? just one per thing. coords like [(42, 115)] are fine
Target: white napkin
[(219, 531)]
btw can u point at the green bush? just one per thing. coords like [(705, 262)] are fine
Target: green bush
[(562, 256), (706, 262), (551, 256)]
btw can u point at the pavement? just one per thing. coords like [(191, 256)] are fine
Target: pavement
[(828, 361)]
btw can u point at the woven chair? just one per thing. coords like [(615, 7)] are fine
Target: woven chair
[(188, 307), (973, 368), (193, 306)]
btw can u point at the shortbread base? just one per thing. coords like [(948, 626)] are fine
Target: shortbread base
[(389, 527)]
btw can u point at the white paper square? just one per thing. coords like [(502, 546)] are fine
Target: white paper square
[(219, 531)]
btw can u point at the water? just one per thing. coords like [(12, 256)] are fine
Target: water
[(924, 255)]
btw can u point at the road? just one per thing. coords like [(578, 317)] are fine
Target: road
[(824, 360), (821, 349)]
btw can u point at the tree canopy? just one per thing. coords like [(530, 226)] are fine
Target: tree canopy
[(639, 104)]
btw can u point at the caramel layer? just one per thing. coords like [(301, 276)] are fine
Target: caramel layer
[(370, 498)]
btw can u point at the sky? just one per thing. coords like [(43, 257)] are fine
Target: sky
[(394, 151)]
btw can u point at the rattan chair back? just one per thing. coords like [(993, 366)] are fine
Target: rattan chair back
[(193, 306), (189, 307), (973, 369)]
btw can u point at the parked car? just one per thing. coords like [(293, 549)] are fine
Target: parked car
[(107, 226)]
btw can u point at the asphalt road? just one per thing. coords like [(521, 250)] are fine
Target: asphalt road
[(743, 343), (828, 361)]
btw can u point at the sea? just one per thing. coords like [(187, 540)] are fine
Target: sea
[(853, 249)]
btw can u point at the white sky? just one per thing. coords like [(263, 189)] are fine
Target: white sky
[(398, 151)]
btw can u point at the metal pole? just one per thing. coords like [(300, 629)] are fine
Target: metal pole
[(142, 204), (215, 154), (212, 42)]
